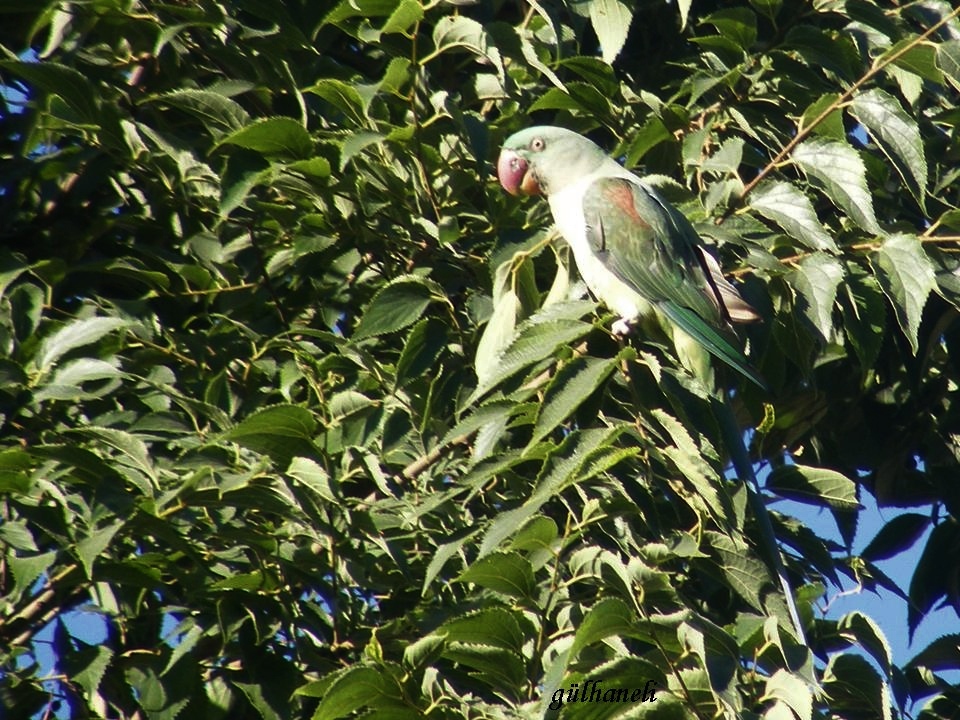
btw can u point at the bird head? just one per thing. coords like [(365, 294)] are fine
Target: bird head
[(543, 159)]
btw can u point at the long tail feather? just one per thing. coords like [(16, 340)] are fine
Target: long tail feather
[(733, 438)]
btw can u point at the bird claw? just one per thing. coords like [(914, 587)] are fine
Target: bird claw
[(621, 327)]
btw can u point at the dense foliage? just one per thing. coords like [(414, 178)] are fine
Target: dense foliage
[(318, 420)]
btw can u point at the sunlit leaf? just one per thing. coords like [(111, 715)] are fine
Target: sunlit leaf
[(398, 305), (816, 279), (898, 135), (272, 136), (789, 208), (611, 21), (907, 277), (814, 486), (837, 169)]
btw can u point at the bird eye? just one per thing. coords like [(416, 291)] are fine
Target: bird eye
[(537, 144)]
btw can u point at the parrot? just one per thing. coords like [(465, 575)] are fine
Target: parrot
[(643, 259), (637, 254)]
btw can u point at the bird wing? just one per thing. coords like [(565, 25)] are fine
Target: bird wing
[(651, 246)]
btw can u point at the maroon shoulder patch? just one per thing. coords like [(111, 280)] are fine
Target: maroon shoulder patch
[(619, 193)]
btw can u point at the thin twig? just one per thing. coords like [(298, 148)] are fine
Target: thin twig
[(804, 132), (412, 470)]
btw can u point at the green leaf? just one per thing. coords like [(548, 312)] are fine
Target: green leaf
[(830, 126), (67, 382), (737, 24), (424, 344), (653, 132), (353, 689), (133, 452), (816, 279), (28, 569), (312, 475), (398, 305), (906, 276), (244, 171), (360, 8), (589, 98), (822, 50), (503, 572), (947, 269), (407, 13), (717, 651), (492, 411), (609, 617), (12, 266), (792, 691), (769, 8), (916, 57), (316, 167), (598, 74), (443, 553), (15, 465), (257, 580), (898, 135), (688, 458), (343, 96), (396, 76), (356, 143), (839, 171), (864, 315), (726, 160), (261, 699), (280, 136), (896, 536), (75, 334), (931, 581), (94, 545), (501, 325), (939, 655), (814, 486), (501, 669), (862, 630), (26, 301), (557, 99), (559, 472), (185, 642), (611, 21), (282, 432), (18, 535), (744, 574), (493, 626), (852, 682), (536, 340), (575, 382), (423, 651), (789, 208), (217, 112), (88, 666), (72, 86), (539, 533), (459, 31), (948, 61)]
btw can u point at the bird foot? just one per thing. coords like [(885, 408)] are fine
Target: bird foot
[(621, 327)]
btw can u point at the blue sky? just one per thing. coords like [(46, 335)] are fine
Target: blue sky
[(887, 610)]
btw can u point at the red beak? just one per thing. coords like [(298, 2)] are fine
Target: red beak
[(515, 176)]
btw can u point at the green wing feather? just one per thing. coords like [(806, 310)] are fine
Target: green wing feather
[(652, 248), (711, 339)]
